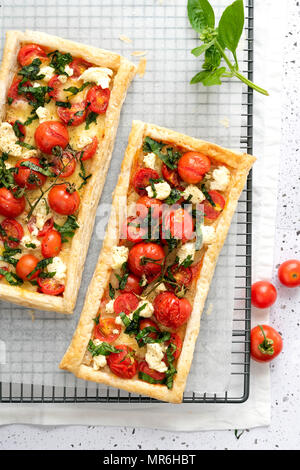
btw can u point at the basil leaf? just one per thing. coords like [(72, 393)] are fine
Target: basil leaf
[(174, 196), (111, 291), (209, 78), (34, 167), (67, 230), (11, 278), (104, 349), (17, 129), (63, 104), (10, 100), (201, 15), (39, 94), (125, 319), (231, 25), (147, 378), (25, 145), (133, 327), (170, 158), (143, 337), (91, 118), (74, 90), (59, 61), (122, 280), (41, 265), (197, 51), (31, 71), (30, 119), (171, 369), (30, 245), (82, 172), (207, 196)]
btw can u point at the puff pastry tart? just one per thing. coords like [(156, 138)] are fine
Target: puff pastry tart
[(172, 208), (60, 107)]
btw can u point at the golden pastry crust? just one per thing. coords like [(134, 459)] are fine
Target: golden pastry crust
[(124, 73), (73, 359)]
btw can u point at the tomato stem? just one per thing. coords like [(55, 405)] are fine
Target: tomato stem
[(266, 347)]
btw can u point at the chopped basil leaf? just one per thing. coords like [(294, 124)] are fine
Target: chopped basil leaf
[(143, 337), (111, 291), (59, 61), (38, 93), (174, 196), (208, 197), (91, 117), (170, 158), (74, 90), (11, 278), (67, 230), (25, 145), (149, 379), (17, 129), (39, 169), (32, 71), (122, 280), (30, 119), (104, 349), (30, 245), (63, 104), (125, 319), (9, 100), (171, 369), (133, 328), (40, 266), (82, 173)]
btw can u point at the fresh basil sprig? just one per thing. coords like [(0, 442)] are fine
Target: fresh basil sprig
[(216, 40)]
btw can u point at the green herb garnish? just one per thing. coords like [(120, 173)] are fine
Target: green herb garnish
[(104, 349), (67, 230)]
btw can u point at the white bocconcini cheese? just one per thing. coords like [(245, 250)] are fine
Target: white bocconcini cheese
[(162, 190), (41, 215), (59, 267), (109, 307), (187, 249), (30, 239), (48, 72), (148, 310), (84, 140), (220, 178), (208, 234), (8, 144), (43, 114), (150, 161), (119, 256), (69, 71), (154, 355), (194, 193), (99, 75)]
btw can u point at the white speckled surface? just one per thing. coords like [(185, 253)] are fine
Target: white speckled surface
[(284, 432)]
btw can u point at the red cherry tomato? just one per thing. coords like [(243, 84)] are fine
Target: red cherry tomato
[(50, 134), (146, 258), (73, 116), (263, 294), (132, 230), (123, 364), (21, 128), (289, 273), (177, 341), (141, 180), (98, 99), (28, 178), (25, 265), (62, 200), (14, 231), (171, 311), (13, 92), (266, 343), (57, 92), (51, 244), (212, 212), (104, 330), (154, 374), (50, 286), (5, 268), (11, 206), (88, 151), (171, 176), (132, 285), (183, 277), (29, 52), (146, 323), (192, 166), (65, 165), (126, 303), (178, 224), (79, 66), (48, 225), (143, 205)]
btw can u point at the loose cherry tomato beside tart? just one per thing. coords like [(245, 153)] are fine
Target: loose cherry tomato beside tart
[(289, 273), (266, 343)]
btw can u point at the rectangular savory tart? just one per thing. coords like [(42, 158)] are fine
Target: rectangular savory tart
[(60, 103), (172, 209)]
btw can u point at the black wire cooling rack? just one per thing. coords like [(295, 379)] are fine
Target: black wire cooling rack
[(240, 353)]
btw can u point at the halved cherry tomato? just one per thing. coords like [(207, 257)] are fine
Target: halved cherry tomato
[(5, 268), (289, 273), (48, 225), (141, 180), (29, 52), (79, 66), (98, 99), (104, 330), (126, 303), (11, 206), (143, 205), (89, 150), (26, 177), (14, 232), (182, 277), (132, 285), (263, 294), (177, 341), (65, 165), (146, 258), (132, 230), (213, 212), (178, 223), (171, 176), (51, 244), (57, 92), (154, 374), (73, 116), (192, 166), (63, 200), (266, 343), (25, 265), (50, 134), (22, 130), (123, 364), (50, 286), (146, 323), (13, 92), (171, 311)]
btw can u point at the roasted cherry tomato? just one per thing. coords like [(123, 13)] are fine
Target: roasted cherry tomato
[(132, 230), (26, 177), (50, 134), (50, 286), (98, 99), (11, 206), (48, 225), (88, 151), (212, 212), (29, 52), (132, 285), (63, 200), (22, 129), (13, 92), (171, 176), (289, 273), (79, 66), (146, 258), (73, 116), (126, 303), (123, 364), (143, 205), (171, 311), (57, 92), (106, 329), (51, 244), (13, 232), (266, 343), (177, 341), (65, 165), (263, 294), (180, 277), (143, 368), (25, 265), (192, 166), (5, 268), (142, 178), (178, 224)]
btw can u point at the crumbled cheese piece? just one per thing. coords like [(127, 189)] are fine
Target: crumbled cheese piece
[(187, 249), (8, 140), (115, 332), (59, 267), (150, 160), (148, 310), (99, 362), (62, 78), (194, 193), (36, 85), (109, 307), (100, 75), (162, 190), (43, 114), (84, 140), (29, 239), (208, 234), (48, 72), (221, 178), (119, 256), (41, 215), (119, 320), (154, 355), (160, 288), (69, 71), (143, 281)]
